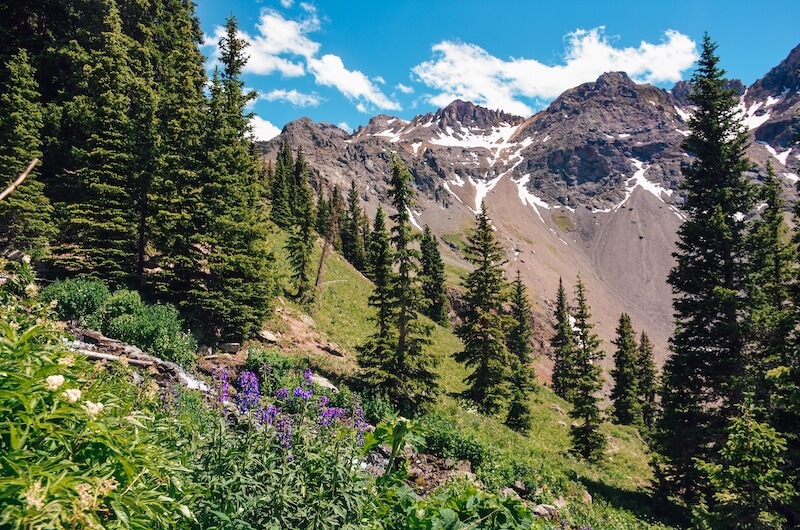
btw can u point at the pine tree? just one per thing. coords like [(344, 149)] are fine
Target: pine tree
[(352, 240), (416, 382), (26, 215), (282, 183), (518, 342), (564, 349), (485, 325), (375, 355), (433, 290), (702, 380), (626, 392), (648, 381), (235, 291), (587, 440), (337, 209), (302, 237), (749, 483)]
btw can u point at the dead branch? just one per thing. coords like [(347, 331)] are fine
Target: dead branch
[(19, 180)]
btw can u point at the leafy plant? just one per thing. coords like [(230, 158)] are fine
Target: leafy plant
[(77, 297)]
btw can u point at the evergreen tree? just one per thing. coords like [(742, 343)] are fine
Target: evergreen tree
[(336, 207), (415, 383), (352, 240), (648, 381), (433, 290), (587, 440), (323, 221), (626, 392), (374, 357), (564, 349), (282, 184), (749, 483), (485, 325), (702, 380), (518, 342), (301, 238), (235, 291), (25, 215)]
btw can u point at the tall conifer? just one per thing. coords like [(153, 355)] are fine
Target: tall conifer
[(625, 393), (648, 381), (485, 324), (518, 342), (563, 343), (433, 290), (703, 378)]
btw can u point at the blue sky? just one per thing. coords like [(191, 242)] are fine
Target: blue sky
[(343, 61)]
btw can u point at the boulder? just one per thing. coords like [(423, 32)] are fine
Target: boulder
[(230, 347), (268, 336)]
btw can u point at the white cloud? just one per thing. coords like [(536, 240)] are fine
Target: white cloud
[(379, 79), (404, 88), (287, 3), (283, 46), (344, 125), (329, 70), (262, 129), (466, 71), (298, 99)]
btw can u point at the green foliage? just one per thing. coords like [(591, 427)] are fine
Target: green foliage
[(519, 345), (626, 392), (749, 483), (587, 440), (433, 279), (77, 298), (80, 448), (564, 348), (353, 243), (485, 325), (648, 381), (302, 236)]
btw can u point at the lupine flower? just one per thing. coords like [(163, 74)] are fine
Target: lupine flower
[(248, 388), (284, 427), (93, 409), (323, 401), (170, 398), (72, 395), (282, 393), (302, 393), (266, 416), (358, 423), (221, 385), (328, 415), (307, 375), (54, 382)]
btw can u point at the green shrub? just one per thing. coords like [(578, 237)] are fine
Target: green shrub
[(77, 297), (121, 302), (444, 439), (79, 449)]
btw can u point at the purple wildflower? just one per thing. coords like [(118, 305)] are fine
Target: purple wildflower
[(328, 415), (266, 416), (284, 427), (358, 422), (248, 391), (221, 385), (170, 398), (323, 401), (307, 375), (282, 393), (302, 393)]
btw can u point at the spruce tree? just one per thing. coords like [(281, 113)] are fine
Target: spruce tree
[(352, 237), (26, 215), (301, 238), (648, 381), (374, 357), (702, 380), (337, 209), (485, 324), (749, 482), (625, 395), (587, 440), (416, 383), (564, 349), (518, 342), (433, 290), (282, 184)]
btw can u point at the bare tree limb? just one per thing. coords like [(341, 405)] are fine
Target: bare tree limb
[(19, 180)]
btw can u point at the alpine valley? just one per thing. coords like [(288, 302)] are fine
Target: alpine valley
[(589, 186)]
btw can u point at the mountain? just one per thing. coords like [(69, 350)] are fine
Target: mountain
[(590, 185)]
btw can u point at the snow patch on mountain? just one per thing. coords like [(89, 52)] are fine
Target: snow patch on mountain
[(529, 198), (638, 180), (482, 188), (780, 157)]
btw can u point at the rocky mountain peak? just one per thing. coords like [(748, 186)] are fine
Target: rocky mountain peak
[(467, 114), (782, 80)]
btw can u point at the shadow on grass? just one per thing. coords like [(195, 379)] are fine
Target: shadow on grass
[(642, 503)]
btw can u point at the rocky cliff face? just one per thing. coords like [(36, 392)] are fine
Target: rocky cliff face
[(589, 185)]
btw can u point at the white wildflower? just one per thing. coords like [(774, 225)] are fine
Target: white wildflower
[(72, 395), (92, 409), (67, 360), (54, 381), (35, 496)]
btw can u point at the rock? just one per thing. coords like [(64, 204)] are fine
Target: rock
[(333, 349), (449, 463), (520, 487), (230, 347), (558, 409), (560, 502), (204, 350), (545, 510), (268, 336), (587, 497), (510, 492), (323, 382), (307, 320)]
